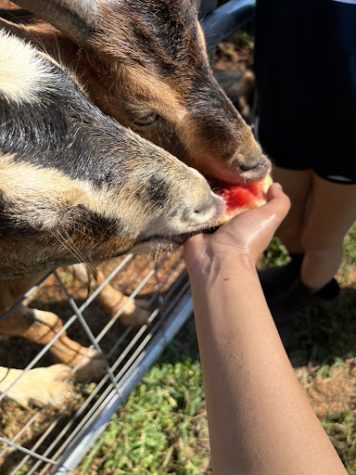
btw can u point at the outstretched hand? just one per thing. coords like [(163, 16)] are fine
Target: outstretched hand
[(249, 233)]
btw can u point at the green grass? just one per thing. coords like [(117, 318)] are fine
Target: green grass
[(162, 429), (341, 429)]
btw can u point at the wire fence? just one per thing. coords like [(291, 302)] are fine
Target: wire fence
[(43, 440)]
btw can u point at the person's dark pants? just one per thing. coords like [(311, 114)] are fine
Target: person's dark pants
[(306, 83)]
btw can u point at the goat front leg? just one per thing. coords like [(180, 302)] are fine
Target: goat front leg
[(40, 327), (112, 300), (41, 386)]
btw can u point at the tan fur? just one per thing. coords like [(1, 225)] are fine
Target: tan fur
[(8, 4), (201, 37), (50, 185), (39, 386), (39, 183), (160, 96), (40, 327)]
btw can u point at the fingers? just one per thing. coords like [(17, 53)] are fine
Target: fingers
[(275, 191), (278, 202)]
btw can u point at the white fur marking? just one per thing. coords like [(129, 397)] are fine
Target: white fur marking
[(23, 73)]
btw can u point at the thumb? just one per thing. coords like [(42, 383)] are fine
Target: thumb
[(271, 214), (278, 203)]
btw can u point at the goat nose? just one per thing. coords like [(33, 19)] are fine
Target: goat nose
[(254, 168), (206, 212), (251, 164), (205, 207)]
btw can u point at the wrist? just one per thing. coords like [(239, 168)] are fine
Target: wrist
[(209, 265)]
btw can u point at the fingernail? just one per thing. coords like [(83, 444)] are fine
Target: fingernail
[(279, 186)]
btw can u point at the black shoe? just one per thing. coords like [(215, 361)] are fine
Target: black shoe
[(277, 280)]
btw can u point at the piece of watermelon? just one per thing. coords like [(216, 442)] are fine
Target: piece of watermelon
[(239, 198)]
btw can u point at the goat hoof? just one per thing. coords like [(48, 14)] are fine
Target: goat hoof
[(91, 367), (48, 386), (138, 315)]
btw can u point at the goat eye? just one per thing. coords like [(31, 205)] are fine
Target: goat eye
[(146, 120)]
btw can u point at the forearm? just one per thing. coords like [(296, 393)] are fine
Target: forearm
[(259, 419)]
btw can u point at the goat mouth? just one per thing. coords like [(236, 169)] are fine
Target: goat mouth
[(260, 171), (174, 241), (218, 185), (239, 175)]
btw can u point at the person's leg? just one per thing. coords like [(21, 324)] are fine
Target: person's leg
[(331, 212), (297, 185)]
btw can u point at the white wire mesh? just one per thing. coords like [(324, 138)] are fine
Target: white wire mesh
[(47, 441)]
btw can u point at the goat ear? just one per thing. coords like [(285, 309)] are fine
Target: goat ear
[(75, 18)]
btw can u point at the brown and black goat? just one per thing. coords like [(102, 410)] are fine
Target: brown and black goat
[(72, 177), (144, 63)]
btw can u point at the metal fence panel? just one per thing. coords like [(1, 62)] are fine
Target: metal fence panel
[(42, 441)]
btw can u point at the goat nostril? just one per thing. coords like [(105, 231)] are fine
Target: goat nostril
[(205, 209), (200, 211)]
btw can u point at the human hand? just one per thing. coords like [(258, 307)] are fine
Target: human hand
[(247, 234)]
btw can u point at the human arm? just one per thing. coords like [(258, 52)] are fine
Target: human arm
[(260, 421)]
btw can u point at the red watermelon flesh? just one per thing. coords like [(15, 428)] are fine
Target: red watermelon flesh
[(239, 198)]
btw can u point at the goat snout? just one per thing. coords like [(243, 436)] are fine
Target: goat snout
[(205, 213), (253, 167), (194, 206)]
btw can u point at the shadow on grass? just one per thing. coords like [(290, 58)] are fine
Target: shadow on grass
[(321, 335), (326, 332)]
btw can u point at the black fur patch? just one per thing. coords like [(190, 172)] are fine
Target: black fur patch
[(18, 16), (207, 96), (157, 191), (80, 219), (216, 118), (77, 220), (66, 132), (12, 226)]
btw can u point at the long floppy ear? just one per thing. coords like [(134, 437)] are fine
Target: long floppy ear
[(75, 18)]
